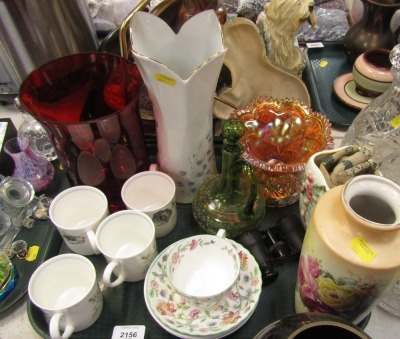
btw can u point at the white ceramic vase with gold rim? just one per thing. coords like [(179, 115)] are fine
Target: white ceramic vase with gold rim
[(180, 72)]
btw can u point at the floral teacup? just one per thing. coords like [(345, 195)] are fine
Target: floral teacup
[(203, 268)]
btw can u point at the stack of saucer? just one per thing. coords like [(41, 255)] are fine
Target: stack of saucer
[(181, 318)]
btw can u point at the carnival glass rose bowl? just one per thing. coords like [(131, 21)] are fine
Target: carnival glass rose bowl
[(280, 137)]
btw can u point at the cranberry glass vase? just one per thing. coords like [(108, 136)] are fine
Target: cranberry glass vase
[(88, 104)]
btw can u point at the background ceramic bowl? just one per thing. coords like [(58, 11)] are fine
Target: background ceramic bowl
[(371, 72), (310, 326), (280, 137)]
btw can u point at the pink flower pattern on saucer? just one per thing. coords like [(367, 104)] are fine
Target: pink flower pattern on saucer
[(178, 316)]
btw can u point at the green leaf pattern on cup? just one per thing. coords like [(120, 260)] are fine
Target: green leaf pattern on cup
[(97, 300)]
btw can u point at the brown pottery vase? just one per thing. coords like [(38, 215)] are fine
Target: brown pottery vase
[(373, 30)]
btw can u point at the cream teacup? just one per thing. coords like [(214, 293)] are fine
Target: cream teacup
[(77, 212), (65, 288), (153, 193), (371, 72), (127, 241), (203, 268)]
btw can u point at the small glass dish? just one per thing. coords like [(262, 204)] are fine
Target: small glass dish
[(5, 223), (280, 137), (16, 197), (7, 275)]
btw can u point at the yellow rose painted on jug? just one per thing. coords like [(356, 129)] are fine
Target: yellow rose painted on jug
[(339, 297), (321, 292)]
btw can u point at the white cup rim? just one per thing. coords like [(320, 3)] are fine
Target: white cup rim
[(51, 261), (117, 214), (141, 175), (68, 191)]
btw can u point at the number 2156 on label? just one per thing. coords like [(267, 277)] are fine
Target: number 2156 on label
[(125, 332)]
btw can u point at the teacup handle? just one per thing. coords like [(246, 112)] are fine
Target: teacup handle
[(92, 239), (221, 233), (55, 327), (108, 273)]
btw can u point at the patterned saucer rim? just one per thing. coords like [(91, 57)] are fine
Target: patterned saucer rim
[(216, 336), (222, 319)]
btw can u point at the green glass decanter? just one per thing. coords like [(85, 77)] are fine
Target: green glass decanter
[(230, 200)]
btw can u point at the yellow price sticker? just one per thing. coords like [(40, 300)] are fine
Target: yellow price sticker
[(363, 250), (323, 63), (395, 122), (32, 253), (165, 79)]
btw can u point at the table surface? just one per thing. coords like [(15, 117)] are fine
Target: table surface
[(14, 322)]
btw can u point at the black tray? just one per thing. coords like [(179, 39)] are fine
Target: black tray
[(323, 66), (125, 305), (45, 236)]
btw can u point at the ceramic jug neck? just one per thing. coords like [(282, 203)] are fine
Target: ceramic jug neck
[(373, 202)]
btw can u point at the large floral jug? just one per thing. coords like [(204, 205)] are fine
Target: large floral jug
[(180, 72), (349, 255)]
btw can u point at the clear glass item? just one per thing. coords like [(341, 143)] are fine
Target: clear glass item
[(378, 124), (37, 170), (5, 224), (16, 197), (391, 300), (38, 137), (390, 165), (230, 200)]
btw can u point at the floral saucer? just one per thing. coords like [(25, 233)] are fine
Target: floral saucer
[(177, 316)]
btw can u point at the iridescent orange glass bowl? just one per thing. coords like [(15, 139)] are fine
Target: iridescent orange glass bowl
[(280, 137)]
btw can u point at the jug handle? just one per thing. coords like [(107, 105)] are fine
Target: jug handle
[(248, 170), (396, 34)]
